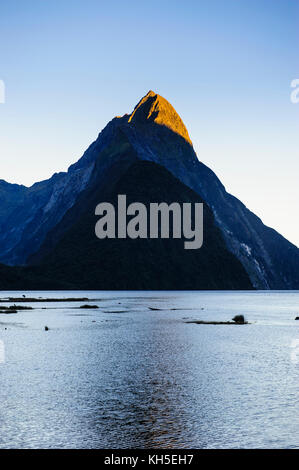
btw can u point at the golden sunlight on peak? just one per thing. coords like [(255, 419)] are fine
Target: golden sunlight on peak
[(156, 108)]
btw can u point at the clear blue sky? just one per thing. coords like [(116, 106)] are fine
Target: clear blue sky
[(226, 65)]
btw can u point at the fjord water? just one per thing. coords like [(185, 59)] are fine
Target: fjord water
[(125, 376)]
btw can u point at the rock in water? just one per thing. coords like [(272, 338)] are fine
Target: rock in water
[(240, 319)]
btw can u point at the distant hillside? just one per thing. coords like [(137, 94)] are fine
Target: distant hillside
[(31, 218)]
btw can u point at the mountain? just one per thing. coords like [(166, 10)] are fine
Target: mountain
[(28, 278), (27, 214), (79, 258), (38, 217)]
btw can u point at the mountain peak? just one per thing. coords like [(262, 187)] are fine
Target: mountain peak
[(155, 108)]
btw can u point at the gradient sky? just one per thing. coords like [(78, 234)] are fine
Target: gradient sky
[(69, 66)]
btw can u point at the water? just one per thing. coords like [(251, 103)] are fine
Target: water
[(124, 376)]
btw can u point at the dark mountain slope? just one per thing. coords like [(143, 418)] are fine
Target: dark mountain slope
[(27, 214), (154, 132), (11, 196), (27, 278), (158, 134), (89, 263)]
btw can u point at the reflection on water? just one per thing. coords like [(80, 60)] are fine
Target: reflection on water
[(125, 376)]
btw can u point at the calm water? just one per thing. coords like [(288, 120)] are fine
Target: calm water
[(124, 376)]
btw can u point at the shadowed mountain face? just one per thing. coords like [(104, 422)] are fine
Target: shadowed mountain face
[(30, 213), (81, 259), (153, 132), (27, 278)]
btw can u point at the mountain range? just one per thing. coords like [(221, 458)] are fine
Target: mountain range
[(47, 230)]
